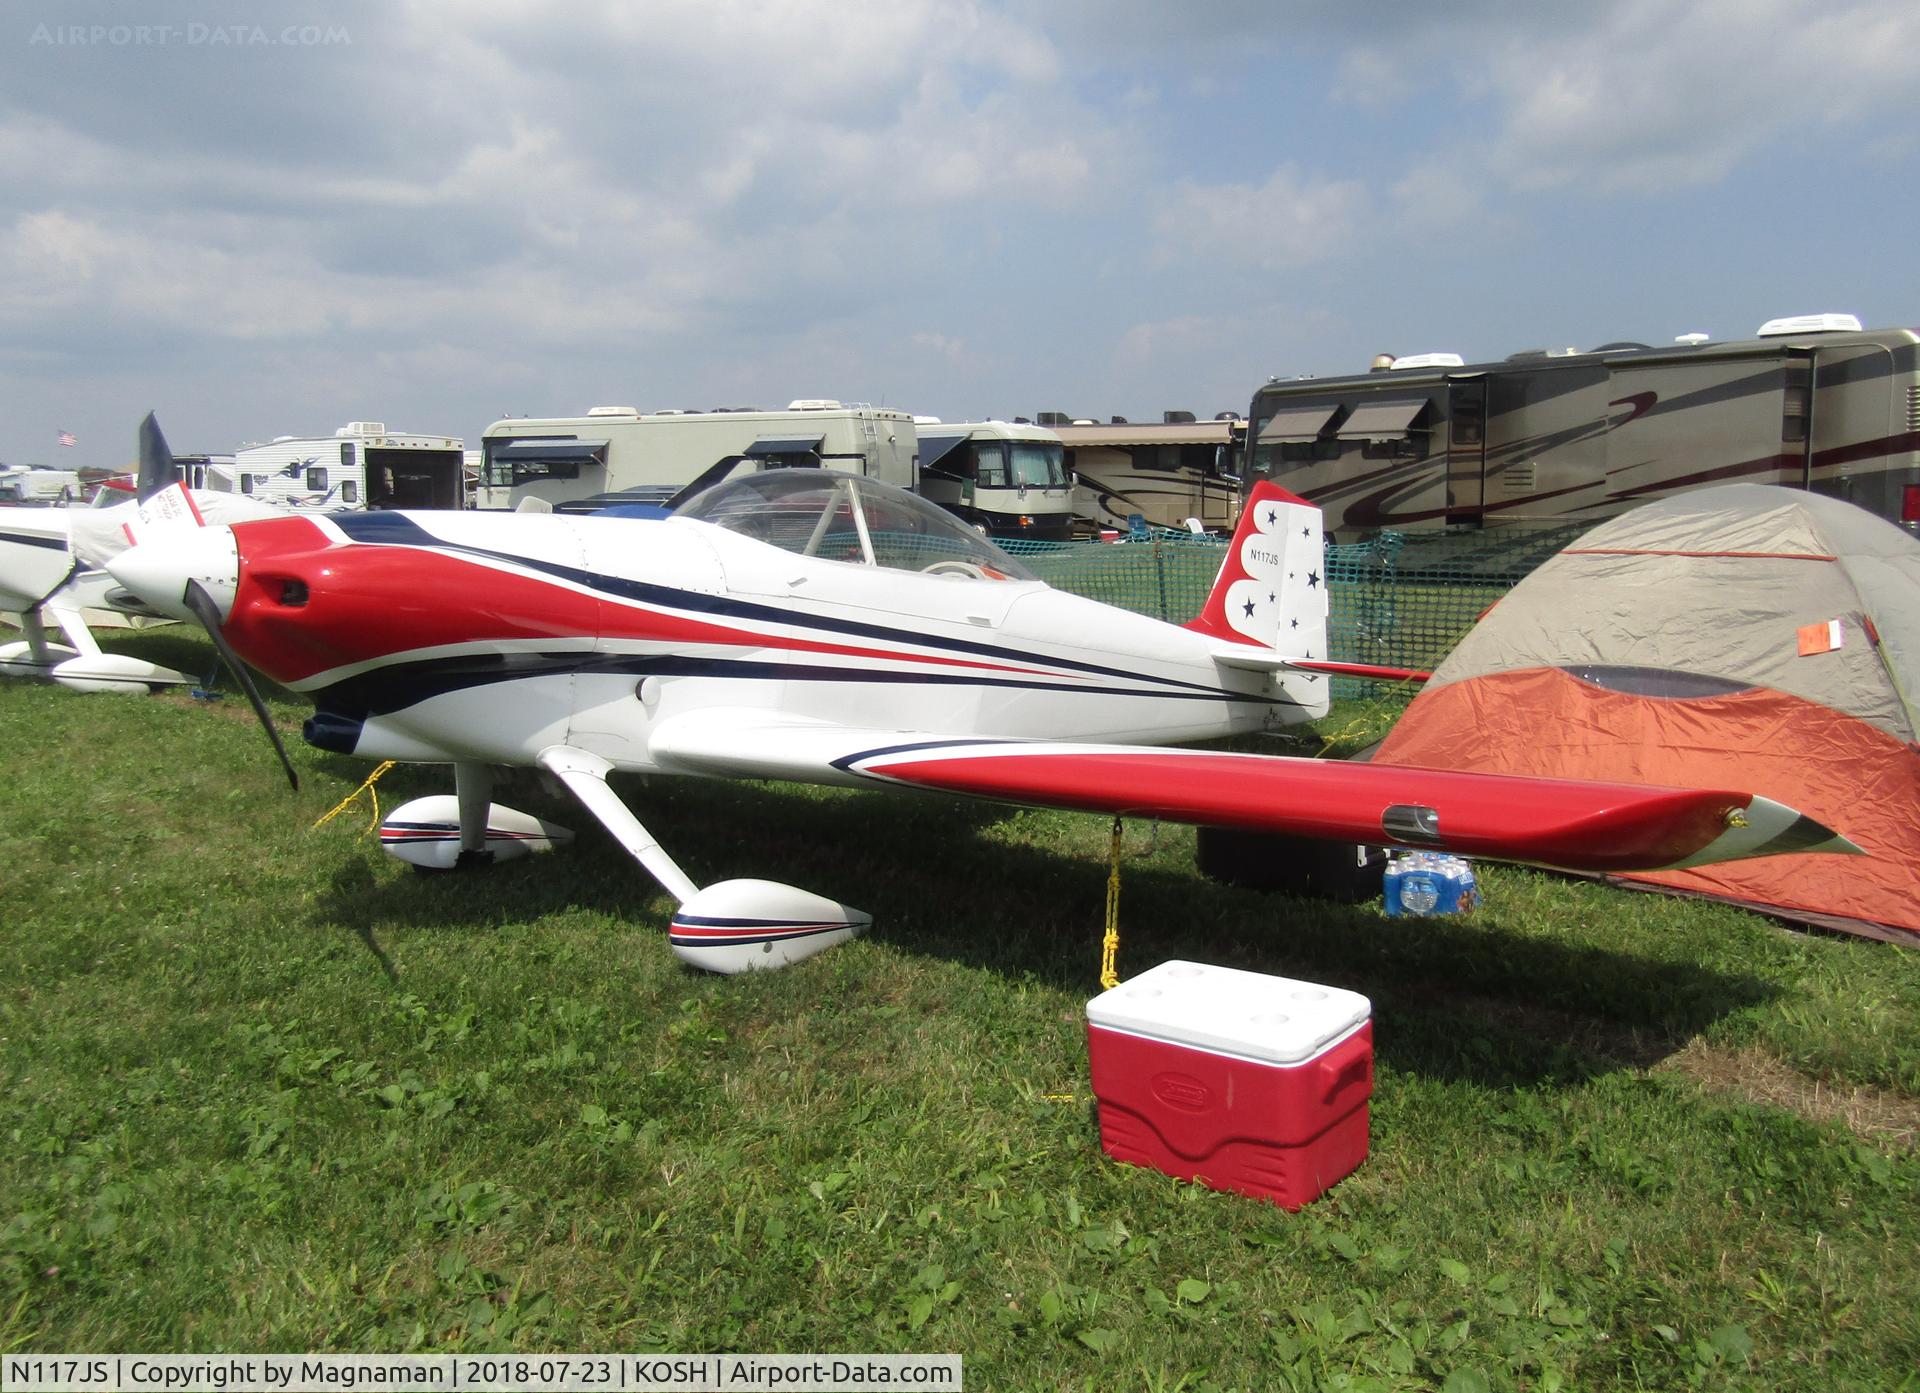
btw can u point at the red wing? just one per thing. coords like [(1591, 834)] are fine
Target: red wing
[(1548, 822)]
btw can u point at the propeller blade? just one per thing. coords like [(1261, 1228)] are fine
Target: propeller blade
[(156, 460), (207, 610)]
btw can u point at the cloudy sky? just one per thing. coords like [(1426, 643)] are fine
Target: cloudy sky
[(263, 218)]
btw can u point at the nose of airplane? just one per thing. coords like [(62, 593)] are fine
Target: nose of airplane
[(159, 569)]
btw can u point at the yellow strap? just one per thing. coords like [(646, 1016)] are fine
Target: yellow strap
[(1110, 945), (346, 802)]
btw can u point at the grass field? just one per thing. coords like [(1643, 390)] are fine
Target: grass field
[(268, 1090)]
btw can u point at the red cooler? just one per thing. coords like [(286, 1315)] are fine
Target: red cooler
[(1236, 1079)]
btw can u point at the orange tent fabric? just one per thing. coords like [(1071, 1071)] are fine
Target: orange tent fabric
[(1841, 770)]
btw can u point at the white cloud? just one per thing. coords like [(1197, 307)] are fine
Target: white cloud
[(1651, 96), (1439, 197), (952, 351), (599, 170), (1142, 343), (1291, 220)]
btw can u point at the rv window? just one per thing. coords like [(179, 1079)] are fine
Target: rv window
[(246, 483), (526, 471), (349, 491), (1469, 420), (517, 461), (316, 479), (1409, 446), (346, 454), (1794, 402), (990, 465)]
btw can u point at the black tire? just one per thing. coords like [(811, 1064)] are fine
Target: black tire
[(1342, 872)]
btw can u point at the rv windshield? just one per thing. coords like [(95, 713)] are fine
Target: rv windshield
[(845, 517), (1038, 465)]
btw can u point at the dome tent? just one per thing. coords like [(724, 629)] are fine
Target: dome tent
[(1746, 636)]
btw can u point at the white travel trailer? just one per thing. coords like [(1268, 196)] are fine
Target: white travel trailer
[(38, 483), (1430, 441), (361, 465), (1008, 479), (649, 456)]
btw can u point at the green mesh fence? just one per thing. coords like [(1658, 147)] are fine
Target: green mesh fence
[(1398, 599)]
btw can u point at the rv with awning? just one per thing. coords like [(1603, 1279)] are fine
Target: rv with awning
[(620, 454), (1162, 472), (1548, 438), (1006, 478)]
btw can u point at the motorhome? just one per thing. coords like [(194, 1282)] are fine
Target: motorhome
[(563, 461), (1161, 473), (361, 465), (1430, 441), (39, 483), (1007, 479)]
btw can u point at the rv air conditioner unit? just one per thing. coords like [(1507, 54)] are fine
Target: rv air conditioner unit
[(613, 411), (353, 428), (1428, 360), (1810, 324), (813, 404)]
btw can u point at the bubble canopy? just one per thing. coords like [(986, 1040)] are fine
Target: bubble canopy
[(846, 517)]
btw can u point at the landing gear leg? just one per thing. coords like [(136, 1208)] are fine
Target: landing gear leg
[(585, 776), (473, 786), (732, 925)]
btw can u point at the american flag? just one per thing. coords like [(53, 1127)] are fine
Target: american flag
[(66, 438)]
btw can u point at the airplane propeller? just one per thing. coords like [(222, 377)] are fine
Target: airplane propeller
[(207, 610)]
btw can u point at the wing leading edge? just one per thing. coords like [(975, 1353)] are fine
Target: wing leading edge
[(1559, 823)]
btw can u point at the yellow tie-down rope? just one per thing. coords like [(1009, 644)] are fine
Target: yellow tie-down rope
[(347, 802), (1110, 945)]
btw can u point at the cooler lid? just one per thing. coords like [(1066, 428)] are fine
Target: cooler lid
[(1275, 1019)]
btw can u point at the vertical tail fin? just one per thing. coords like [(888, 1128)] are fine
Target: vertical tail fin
[(1272, 587), (156, 460)]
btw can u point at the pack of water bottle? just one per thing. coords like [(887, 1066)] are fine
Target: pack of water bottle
[(1429, 882)]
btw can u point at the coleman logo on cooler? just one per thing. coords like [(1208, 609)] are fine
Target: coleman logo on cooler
[(1182, 1091)]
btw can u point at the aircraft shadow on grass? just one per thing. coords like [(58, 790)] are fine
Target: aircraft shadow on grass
[(1454, 998)]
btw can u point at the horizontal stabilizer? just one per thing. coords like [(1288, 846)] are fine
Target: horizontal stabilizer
[(1253, 659)]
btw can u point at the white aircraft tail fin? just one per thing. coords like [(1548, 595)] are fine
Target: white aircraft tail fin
[(1272, 588)]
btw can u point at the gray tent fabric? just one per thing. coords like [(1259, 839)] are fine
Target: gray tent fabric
[(1634, 591)]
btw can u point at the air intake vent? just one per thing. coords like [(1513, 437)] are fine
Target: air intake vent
[(1913, 408)]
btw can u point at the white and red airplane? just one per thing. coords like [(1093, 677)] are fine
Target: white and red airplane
[(53, 576), (819, 627)]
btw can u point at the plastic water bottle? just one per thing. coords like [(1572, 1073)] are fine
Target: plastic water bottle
[(1429, 882)]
